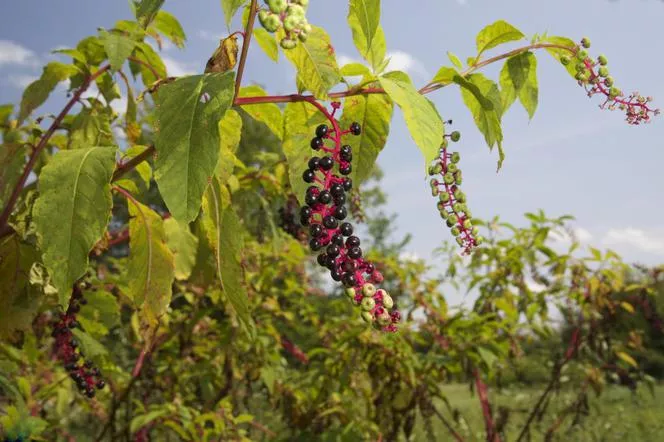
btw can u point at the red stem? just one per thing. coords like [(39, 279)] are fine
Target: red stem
[(482, 391)]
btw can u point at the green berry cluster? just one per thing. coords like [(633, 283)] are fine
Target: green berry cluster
[(452, 202), (289, 15), (375, 304), (593, 74)]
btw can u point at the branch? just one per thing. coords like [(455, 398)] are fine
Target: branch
[(491, 435), (449, 427), (131, 164), (246, 39), (43, 141)]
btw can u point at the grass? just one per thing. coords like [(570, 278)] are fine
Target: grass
[(617, 415)]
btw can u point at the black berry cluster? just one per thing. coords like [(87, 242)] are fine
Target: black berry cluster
[(86, 376), (452, 203), (594, 76), (288, 220), (325, 214)]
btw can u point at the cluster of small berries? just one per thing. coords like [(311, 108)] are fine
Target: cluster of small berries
[(288, 220), (325, 212), (86, 376), (594, 76), (289, 14), (452, 201)]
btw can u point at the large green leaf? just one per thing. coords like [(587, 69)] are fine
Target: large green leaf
[(268, 113), (496, 34), (19, 300), (224, 232), (487, 118), (230, 7), (364, 22), (518, 78), (422, 118), (230, 133), (39, 90), (267, 42), (557, 53), (300, 121), (118, 47), (90, 127), (187, 143), (170, 27), (374, 113), (74, 189), (147, 10), (148, 56), (183, 244), (101, 312), (151, 265), (316, 64)]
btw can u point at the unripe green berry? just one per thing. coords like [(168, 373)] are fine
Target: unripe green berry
[(302, 36), (564, 60), (585, 42), (580, 67), (307, 28), (479, 240), (449, 223), (272, 23), (444, 214), (459, 240), (440, 205), (262, 15), (467, 224), (277, 6), (290, 23), (295, 10), (615, 92), (288, 43), (467, 212), (434, 191), (475, 230), (608, 81), (455, 231), (368, 290), (457, 177), (603, 71), (444, 197), (388, 302), (448, 178), (452, 167), (459, 196), (368, 317), (582, 54), (457, 207), (350, 292), (384, 319), (456, 157), (453, 219), (602, 60), (368, 304), (455, 136), (581, 76), (433, 183)]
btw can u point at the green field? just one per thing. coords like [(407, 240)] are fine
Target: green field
[(617, 415)]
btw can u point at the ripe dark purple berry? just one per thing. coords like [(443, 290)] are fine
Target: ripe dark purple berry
[(311, 199), (346, 153), (348, 184), (335, 274), (326, 163), (337, 189), (345, 169), (346, 229), (340, 212), (322, 131), (333, 250), (352, 241), (330, 222), (337, 239), (101, 384), (322, 259), (315, 245), (355, 253), (355, 128), (349, 279), (316, 143), (330, 262), (308, 176), (316, 230), (90, 392), (350, 266), (305, 211), (340, 200), (313, 163), (324, 197)]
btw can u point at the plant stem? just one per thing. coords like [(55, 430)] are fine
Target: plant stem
[(131, 164), (248, 30), (491, 435), (43, 141)]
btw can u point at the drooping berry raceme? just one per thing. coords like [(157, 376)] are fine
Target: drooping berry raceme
[(594, 76), (325, 215), (452, 203), (86, 376), (288, 219), (289, 15)]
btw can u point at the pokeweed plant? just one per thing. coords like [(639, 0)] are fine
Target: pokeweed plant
[(191, 190)]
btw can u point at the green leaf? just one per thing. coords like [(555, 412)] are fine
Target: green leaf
[(354, 69), (268, 113), (455, 60), (267, 42), (19, 300), (496, 34), (183, 244), (374, 113), (518, 78), (368, 36), (627, 358), (151, 265), (39, 90), (187, 113), (445, 75), (89, 345), (101, 313), (143, 169), (558, 53), (230, 133), (90, 127), (224, 232), (147, 55), (230, 7), (147, 10), (300, 121), (142, 420), (118, 47), (316, 64), (487, 118), (170, 27), (74, 188), (422, 118)]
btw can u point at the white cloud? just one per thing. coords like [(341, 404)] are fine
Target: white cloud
[(209, 36), (399, 61), (562, 236), (119, 105), (409, 257), (13, 53), (21, 81), (177, 68), (636, 238)]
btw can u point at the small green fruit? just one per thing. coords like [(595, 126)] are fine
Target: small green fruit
[(603, 71), (434, 191), (272, 23), (295, 10), (459, 240), (582, 54), (453, 219), (448, 178), (444, 197), (455, 136), (457, 177), (277, 6), (350, 292), (444, 214), (290, 23), (615, 92), (580, 67), (368, 290), (455, 231), (368, 304), (467, 224), (388, 302), (602, 60), (287, 43), (459, 196), (608, 81), (368, 317), (452, 167), (456, 157), (384, 319), (440, 205), (564, 60), (585, 42)]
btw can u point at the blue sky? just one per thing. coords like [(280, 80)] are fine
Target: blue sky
[(573, 158)]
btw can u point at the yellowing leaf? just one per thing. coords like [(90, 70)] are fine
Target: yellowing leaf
[(267, 113), (495, 34), (627, 307), (74, 188), (627, 358), (224, 57)]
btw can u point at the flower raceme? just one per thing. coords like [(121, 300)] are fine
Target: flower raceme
[(324, 213), (86, 376), (452, 203), (594, 76)]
